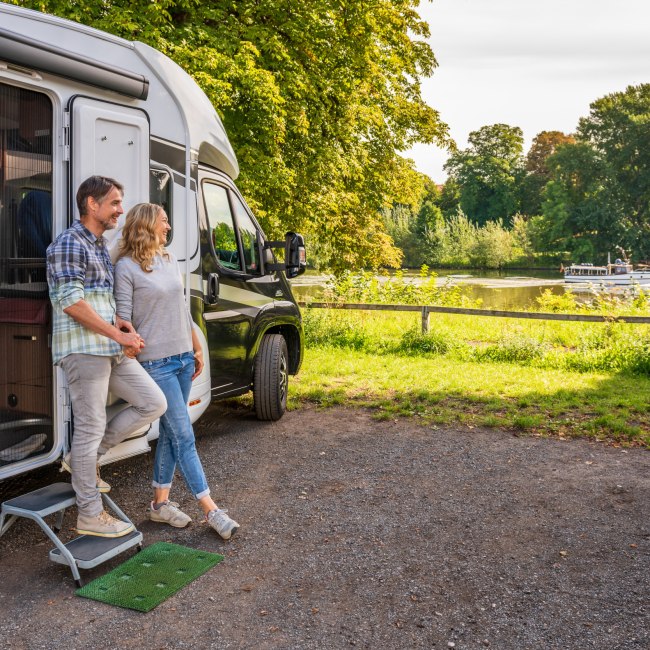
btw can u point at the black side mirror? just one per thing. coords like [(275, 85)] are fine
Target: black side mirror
[(295, 255)]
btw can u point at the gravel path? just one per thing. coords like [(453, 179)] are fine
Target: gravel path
[(358, 533)]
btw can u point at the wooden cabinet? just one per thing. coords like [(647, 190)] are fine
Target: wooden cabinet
[(25, 369)]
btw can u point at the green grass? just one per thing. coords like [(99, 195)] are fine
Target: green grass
[(445, 390), (533, 377)]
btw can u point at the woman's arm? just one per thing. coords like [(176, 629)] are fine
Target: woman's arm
[(198, 354)]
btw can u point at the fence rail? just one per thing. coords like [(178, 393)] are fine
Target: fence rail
[(426, 310)]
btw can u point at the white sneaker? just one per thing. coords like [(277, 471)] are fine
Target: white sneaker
[(222, 523), (169, 513)]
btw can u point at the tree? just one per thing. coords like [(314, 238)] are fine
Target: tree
[(537, 173), (488, 171), (318, 98), (598, 197), (618, 129)]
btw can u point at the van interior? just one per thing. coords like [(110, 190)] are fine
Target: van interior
[(26, 409)]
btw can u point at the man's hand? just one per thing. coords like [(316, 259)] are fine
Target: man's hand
[(124, 325), (130, 340)]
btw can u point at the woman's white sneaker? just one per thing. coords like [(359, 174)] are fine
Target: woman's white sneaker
[(169, 513), (222, 523)]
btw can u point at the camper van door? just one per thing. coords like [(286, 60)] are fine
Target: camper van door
[(112, 140)]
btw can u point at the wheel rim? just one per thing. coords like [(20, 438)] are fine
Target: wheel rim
[(284, 378)]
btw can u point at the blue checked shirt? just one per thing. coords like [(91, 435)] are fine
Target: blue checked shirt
[(79, 267)]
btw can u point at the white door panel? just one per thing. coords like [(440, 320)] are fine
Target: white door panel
[(111, 140)]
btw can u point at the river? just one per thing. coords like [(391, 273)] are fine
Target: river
[(496, 289)]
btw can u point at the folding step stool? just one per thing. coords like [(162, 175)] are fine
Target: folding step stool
[(85, 551)]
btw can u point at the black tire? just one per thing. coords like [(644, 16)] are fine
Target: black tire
[(271, 378)]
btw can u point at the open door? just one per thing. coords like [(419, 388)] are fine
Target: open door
[(27, 435), (111, 140)]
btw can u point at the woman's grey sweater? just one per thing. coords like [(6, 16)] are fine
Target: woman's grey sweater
[(155, 304)]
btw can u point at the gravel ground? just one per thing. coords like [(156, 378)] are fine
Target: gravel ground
[(373, 535)]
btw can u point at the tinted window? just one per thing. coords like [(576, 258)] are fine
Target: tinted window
[(248, 235), (160, 192), (221, 224)]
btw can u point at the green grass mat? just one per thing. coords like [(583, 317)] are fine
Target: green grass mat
[(150, 577)]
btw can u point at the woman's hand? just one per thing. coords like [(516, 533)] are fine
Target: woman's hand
[(198, 363)]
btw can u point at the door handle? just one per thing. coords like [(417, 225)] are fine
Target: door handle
[(213, 289)]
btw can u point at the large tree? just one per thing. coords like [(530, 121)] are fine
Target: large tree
[(488, 171), (599, 194), (318, 98)]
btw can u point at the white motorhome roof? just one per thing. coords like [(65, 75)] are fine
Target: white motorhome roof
[(151, 80)]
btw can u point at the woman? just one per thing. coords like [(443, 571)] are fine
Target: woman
[(149, 294)]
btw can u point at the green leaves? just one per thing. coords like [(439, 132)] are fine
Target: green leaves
[(318, 98)]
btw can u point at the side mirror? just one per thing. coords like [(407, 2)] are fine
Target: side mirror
[(295, 255)]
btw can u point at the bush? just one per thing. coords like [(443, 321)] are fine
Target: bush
[(415, 342)]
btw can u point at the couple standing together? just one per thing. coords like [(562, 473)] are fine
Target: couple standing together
[(104, 318)]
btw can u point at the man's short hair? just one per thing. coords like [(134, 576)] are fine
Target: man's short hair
[(96, 187)]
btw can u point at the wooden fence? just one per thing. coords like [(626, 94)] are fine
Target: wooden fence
[(426, 310)]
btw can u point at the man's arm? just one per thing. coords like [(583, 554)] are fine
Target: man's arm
[(85, 315)]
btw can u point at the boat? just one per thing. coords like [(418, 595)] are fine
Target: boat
[(621, 272)]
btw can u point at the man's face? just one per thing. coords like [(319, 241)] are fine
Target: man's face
[(107, 211)]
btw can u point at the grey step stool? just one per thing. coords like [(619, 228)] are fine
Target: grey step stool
[(85, 551)]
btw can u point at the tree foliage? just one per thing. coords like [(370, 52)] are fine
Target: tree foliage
[(488, 171), (537, 173), (318, 98), (599, 193)]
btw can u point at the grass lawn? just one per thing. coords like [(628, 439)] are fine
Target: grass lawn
[(443, 390)]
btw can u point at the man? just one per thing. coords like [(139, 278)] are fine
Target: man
[(96, 350)]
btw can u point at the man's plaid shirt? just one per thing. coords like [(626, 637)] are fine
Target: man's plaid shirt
[(79, 267)]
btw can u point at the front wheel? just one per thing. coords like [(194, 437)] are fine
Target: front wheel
[(271, 378)]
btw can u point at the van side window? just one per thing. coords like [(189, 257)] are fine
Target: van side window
[(25, 189), (248, 235), (222, 229), (160, 193)]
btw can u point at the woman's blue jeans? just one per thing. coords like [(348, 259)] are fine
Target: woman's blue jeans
[(176, 444)]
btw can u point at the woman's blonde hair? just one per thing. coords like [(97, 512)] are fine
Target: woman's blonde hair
[(139, 240)]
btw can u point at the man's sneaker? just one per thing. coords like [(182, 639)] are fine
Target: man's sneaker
[(102, 485), (103, 525), (169, 513), (222, 523)]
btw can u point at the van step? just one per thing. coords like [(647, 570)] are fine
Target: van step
[(89, 551), (85, 551), (44, 501)]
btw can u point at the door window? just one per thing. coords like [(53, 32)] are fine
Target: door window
[(232, 231), (248, 236), (222, 228)]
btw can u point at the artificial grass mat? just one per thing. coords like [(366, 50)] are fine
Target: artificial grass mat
[(151, 576)]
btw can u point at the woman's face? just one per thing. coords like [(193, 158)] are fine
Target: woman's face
[(162, 228)]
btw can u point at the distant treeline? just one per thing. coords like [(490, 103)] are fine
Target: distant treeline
[(571, 197)]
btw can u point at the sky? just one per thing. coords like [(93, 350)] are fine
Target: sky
[(528, 63)]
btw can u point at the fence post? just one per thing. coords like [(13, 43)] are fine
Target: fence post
[(425, 320)]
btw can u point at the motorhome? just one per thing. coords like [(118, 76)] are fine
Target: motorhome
[(75, 101)]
